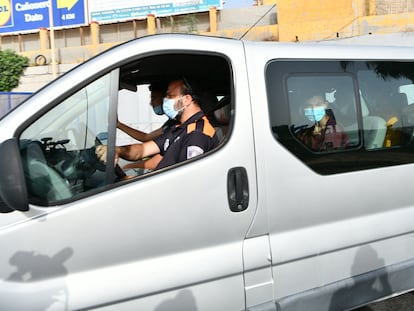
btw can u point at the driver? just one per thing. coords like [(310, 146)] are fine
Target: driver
[(193, 136)]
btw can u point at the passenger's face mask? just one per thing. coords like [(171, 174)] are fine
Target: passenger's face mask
[(315, 114), (169, 109), (158, 110)]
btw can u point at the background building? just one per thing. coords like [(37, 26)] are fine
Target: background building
[(84, 28)]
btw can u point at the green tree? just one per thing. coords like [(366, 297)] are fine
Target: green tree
[(12, 66)]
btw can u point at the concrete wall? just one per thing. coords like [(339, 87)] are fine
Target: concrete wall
[(316, 19), (271, 20), (390, 23), (79, 44), (322, 20), (299, 20)]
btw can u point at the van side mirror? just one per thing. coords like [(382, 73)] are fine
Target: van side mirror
[(13, 190)]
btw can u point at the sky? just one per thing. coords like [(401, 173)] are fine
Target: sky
[(237, 3)]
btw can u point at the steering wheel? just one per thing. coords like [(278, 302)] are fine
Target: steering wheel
[(101, 166)]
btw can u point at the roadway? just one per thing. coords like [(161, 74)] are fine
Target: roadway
[(400, 303)]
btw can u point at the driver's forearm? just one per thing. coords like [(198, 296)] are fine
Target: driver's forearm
[(130, 152)]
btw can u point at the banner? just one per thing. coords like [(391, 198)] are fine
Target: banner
[(25, 16), (30, 15), (120, 10)]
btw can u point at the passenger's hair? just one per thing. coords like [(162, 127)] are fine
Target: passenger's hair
[(316, 100), (160, 86)]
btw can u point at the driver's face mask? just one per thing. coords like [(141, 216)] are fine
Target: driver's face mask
[(315, 114), (169, 109)]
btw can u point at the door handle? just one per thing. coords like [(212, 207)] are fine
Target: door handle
[(237, 189)]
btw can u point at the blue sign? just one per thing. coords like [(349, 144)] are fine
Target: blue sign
[(121, 10), (30, 15)]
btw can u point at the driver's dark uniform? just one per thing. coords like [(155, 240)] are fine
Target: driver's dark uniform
[(192, 138)]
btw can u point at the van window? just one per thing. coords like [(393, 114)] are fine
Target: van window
[(408, 90), (140, 79), (336, 95), (58, 149), (368, 105)]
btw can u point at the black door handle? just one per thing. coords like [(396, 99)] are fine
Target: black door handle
[(238, 189)]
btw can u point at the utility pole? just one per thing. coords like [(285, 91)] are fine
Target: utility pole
[(52, 40)]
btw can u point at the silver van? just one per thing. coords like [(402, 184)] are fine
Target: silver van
[(288, 212)]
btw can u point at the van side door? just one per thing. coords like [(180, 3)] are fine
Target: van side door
[(170, 239)]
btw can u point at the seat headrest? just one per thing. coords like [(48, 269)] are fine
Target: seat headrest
[(208, 101)]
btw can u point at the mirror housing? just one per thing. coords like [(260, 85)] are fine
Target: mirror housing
[(13, 190)]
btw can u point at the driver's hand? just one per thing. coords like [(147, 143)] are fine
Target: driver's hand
[(101, 152)]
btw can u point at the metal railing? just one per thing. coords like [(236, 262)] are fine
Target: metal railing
[(9, 100)]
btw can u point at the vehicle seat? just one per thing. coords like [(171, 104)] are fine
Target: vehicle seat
[(43, 181), (374, 129), (393, 113), (214, 111)]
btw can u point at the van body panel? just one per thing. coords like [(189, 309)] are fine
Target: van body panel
[(258, 274), (168, 240), (353, 291), (345, 224)]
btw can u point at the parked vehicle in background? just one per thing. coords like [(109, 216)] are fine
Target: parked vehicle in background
[(262, 222)]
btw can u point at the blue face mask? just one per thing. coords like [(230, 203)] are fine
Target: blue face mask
[(315, 114), (158, 110), (168, 107)]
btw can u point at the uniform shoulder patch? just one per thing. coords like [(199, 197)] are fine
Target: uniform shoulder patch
[(202, 125), (193, 151)]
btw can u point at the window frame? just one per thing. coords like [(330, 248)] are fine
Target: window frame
[(115, 72)]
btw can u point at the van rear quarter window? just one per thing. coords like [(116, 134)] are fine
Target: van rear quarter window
[(341, 116)]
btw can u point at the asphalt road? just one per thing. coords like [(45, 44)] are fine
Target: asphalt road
[(400, 303)]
